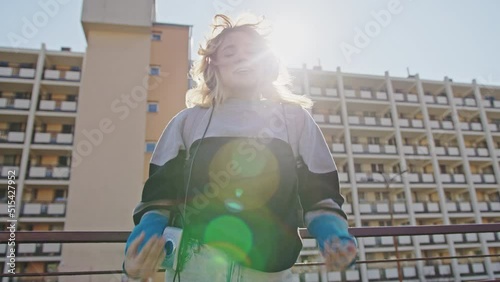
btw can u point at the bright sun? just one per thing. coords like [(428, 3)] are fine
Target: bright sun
[(289, 40)]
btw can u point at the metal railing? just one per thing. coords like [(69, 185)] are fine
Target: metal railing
[(359, 232)]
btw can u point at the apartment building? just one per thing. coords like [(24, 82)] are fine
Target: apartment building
[(79, 129), (38, 108), (411, 151)]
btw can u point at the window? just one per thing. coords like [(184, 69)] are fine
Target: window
[(154, 70), (357, 167), (442, 168), (51, 267), (374, 140), (381, 196), (152, 107), (156, 36), (63, 161), (60, 195), (150, 147), (377, 168), (67, 128)]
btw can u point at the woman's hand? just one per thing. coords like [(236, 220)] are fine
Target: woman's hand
[(339, 254), (144, 264)]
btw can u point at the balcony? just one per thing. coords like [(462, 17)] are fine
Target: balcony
[(323, 92), (489, 207), (35, 249), (338, 148), (60, 106), (68, 75), (380, 208), (343, 177), (366, 177), (366, 94), (27, 72), (440, 100), (385, 241), (491, 103), (48, 172), (413, 123), (436, 267), (410, 98), (426, 207), (4, 170), (493, 127), (327, 119), (53, 137), (415, 150), (13, 137), (477, 152), (15, 104), (456, 207), (442, 124), (483, 178), (473, 126), (447, 151), (465, 102), (421, 177), (369, 121), (373, 149), (452, 178)]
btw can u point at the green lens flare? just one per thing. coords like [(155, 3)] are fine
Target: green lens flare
[(231, 235)]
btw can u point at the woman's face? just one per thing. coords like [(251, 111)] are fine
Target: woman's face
[(239, 60)]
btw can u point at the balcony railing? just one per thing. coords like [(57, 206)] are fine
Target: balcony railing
[(415, 150), (365, 177), (369, 121), (53, 105), (410, 98), (473, 126), (491, 103), (35, 249), (71, 75), (477, 152), (373, 149), (17, 72), (413, 123), (329, 119), (48, 172), (467, 102), (366, 94), (4, 170), (440, 100), (15, 104), (49, 243), (447, 151), (42, 209), (53, 137), (11, 136), (323, 92), (442, 124)]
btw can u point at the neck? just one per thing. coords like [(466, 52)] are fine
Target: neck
[(244, 94)]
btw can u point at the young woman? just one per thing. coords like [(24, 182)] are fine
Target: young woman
[(239, 170)]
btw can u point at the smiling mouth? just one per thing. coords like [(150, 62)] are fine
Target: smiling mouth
[(243, 70)]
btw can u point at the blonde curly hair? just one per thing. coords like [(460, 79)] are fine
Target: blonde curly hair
[(276, 83)]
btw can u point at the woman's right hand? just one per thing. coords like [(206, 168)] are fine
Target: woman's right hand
[(144, 264)]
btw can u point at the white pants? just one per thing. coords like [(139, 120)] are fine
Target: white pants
[(207, 264)]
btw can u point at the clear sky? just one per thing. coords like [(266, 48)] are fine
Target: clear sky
[(455, 38)]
